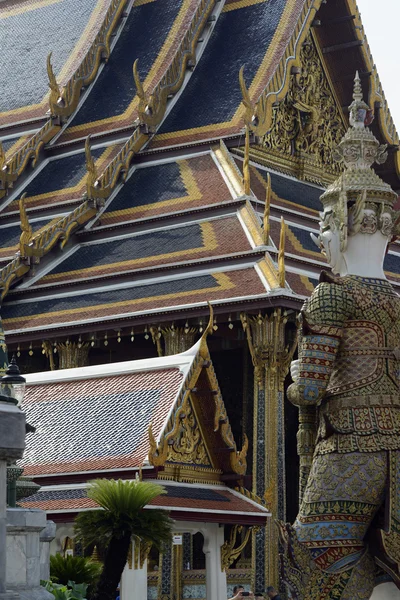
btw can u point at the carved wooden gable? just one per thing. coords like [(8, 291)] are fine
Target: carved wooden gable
[(187, 445), (308, 123)]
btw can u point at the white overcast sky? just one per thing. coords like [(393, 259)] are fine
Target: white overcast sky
[(381, 20)]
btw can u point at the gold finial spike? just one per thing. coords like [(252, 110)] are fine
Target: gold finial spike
[(53, 85), (2, 156), (138, 83), (281, 255), (245, 92), (90, 167), (26, 229), (246, 163), (267, 210)]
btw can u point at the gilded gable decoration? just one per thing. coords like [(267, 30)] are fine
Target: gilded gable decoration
[(307, 124), (187, 444)]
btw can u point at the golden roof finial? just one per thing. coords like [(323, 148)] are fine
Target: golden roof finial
[(281, 255), (2, 156), (138, 83), (246, 163), (26, 229), (267, 210), (246, 100), (92, 175), (53, 85)]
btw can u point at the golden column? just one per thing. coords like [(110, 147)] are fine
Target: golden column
[(271, 360)]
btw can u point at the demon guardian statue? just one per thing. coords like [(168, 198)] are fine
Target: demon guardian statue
[(348, 526)]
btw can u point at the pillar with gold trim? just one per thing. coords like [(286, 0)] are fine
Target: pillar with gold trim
[(271, 360)]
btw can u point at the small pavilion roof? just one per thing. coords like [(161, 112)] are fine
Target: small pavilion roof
[(185, 501), (97, 418)]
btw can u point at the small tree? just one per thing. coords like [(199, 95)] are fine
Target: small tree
[(123, 517)]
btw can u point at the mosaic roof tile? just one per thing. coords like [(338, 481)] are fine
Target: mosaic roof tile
[(287, 192), (177, 244), (36, 28), (114, 90), (241, 37), (61, 180), (112, 303), (96, 424), (189, 498), (166, 188)]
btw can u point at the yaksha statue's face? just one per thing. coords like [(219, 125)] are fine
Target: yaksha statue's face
[(330, 239)]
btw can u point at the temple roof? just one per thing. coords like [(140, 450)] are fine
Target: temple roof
[(151, 216), (124, 400), (35, 29), (220, 503)]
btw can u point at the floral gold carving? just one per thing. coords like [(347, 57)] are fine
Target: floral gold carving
[(187, 444), (307, 122)]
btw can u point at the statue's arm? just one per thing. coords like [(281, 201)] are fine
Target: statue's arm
[(322, 320)]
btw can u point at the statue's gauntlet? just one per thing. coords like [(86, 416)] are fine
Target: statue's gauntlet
[(317, 355)]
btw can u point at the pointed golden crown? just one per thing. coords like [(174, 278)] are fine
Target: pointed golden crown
[(359, 188)]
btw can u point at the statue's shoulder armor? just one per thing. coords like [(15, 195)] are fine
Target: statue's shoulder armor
[(330, 305)]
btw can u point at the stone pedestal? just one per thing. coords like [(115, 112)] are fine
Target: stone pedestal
[(46, 537), (12, 445), (386, 591), (24, 527)]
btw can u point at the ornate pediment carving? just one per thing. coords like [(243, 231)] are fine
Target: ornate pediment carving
[(307, 124), (187, 444)]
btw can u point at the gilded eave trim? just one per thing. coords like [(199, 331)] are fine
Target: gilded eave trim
[(42, 244)]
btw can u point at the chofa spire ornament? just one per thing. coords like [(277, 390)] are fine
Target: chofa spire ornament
[(359, 201)]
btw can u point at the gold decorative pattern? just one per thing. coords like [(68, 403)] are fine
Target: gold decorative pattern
[(53, 85), (119, 166), (281, 255), (181, 441), (187, 445), (157, 453), (307, 125), (40, 244), (228, 551), (267, 210), (92, 174), (26, 229), (29, 152), (72, 354), (271, 360), (246, 163)]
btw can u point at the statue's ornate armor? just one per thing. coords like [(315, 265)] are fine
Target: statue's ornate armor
[(349, 352), (349, 349)]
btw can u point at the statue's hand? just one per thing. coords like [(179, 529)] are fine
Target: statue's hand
[(294, 369)]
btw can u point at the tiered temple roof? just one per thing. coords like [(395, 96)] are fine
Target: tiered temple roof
[(153, 218)]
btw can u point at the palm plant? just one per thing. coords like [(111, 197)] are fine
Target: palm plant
[(74, 568), (123, 517)]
